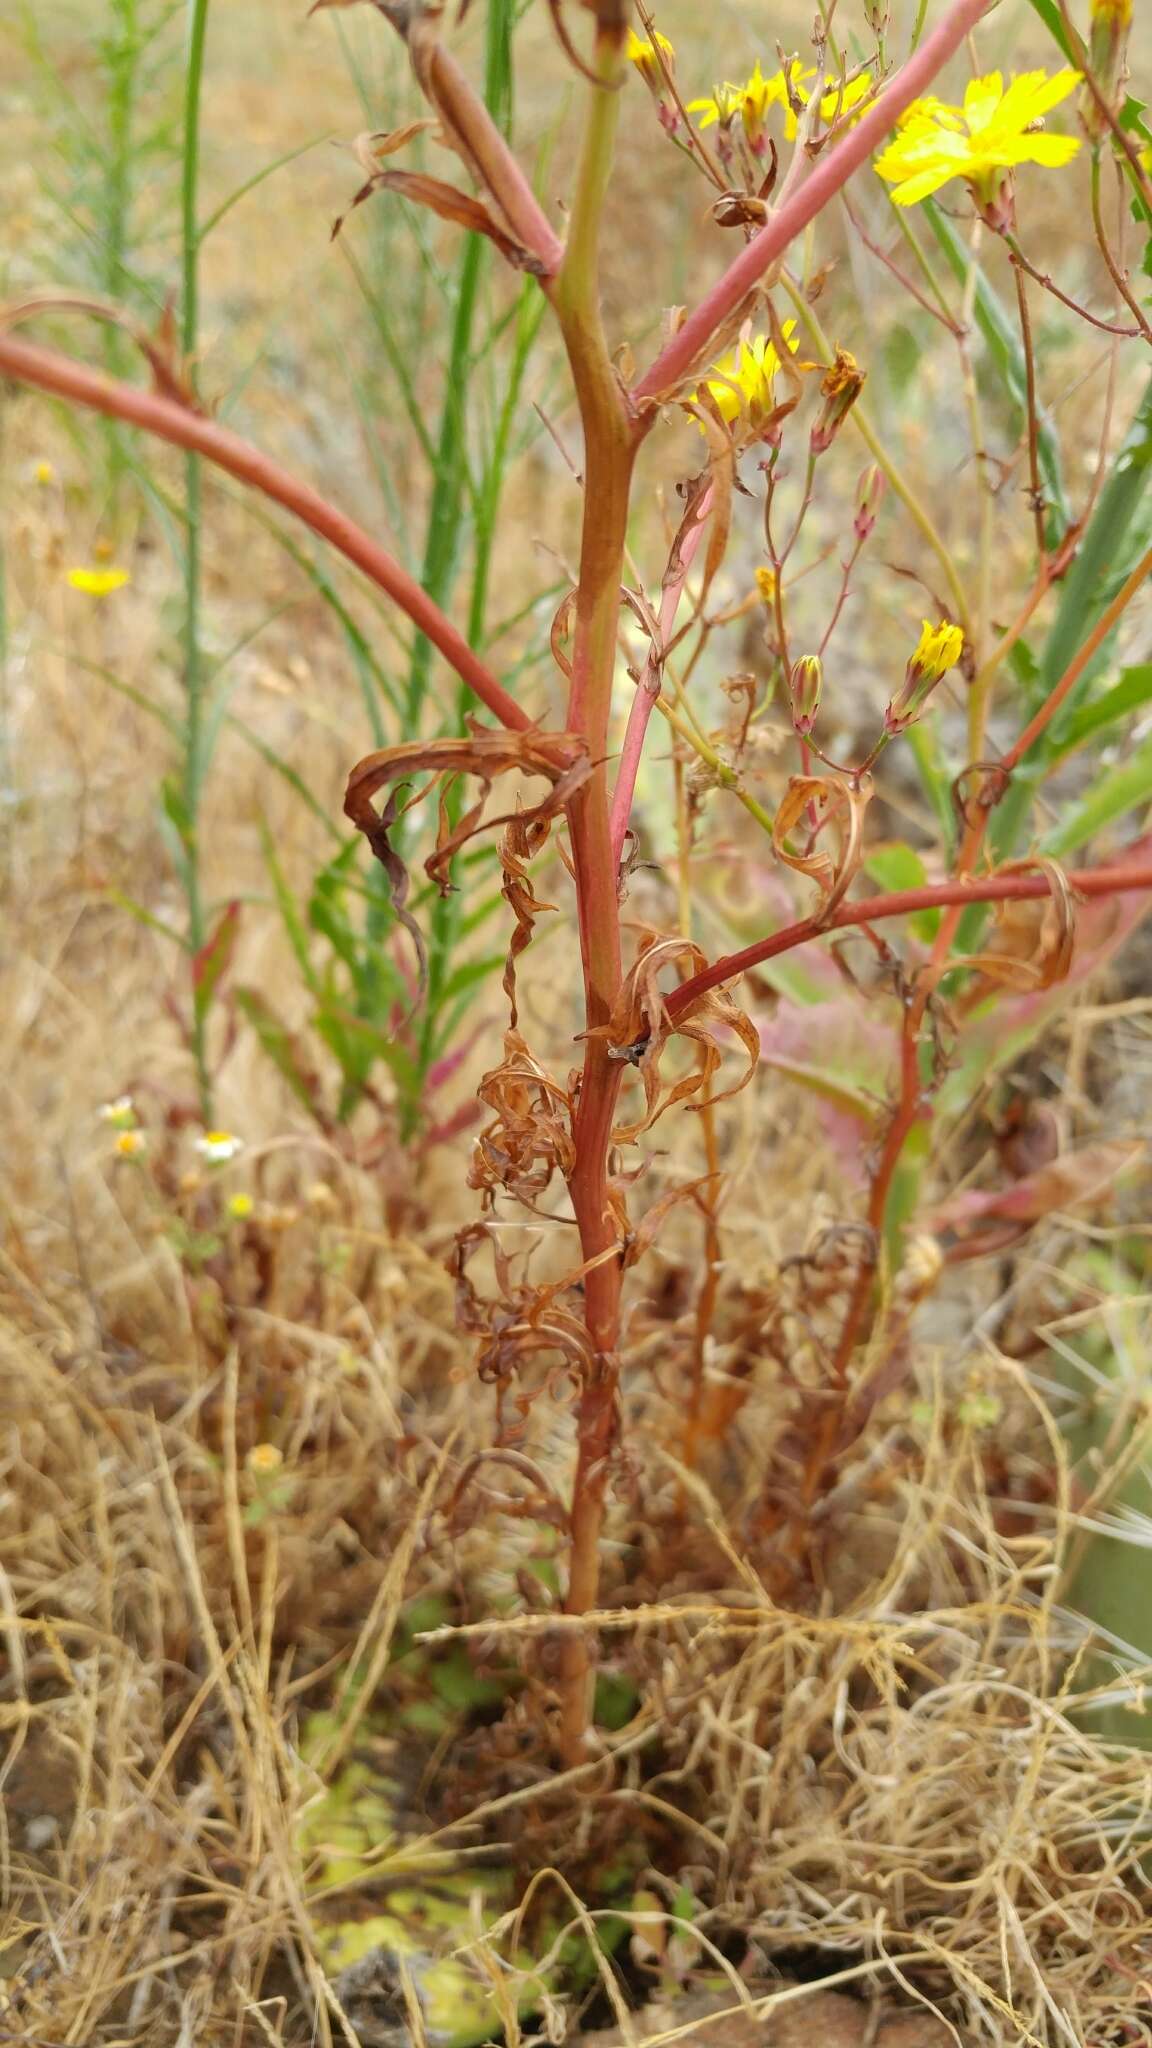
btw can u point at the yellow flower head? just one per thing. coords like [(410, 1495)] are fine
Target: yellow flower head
[(264, 1459), (742, 384), (217, 1147), (130, 1144), (751, 102), (938, 649), (239, 1206), (834, 103), (997, 127), (1112, 11), (766, 585), (97, 582), (44, 473), (645, 53)]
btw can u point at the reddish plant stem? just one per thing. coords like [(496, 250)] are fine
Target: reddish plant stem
[(610, 443), (1120, 880), (62, 377), (648, 688), (689, 345)]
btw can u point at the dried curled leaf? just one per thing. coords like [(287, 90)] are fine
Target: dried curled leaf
[(560, 757), (521, 1321), (816, 801), (640, 1028), (530, 1136), (1032, 943)]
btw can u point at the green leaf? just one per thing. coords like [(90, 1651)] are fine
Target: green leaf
[(289, 913), (1131, 693), (1119, 789), (147, 917), (896, 867)]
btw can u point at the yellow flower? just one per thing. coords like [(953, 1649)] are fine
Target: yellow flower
[(766, 584), (996, 128), (239, 1206), (938, 649), (742, 384), (264, 1459), (44, 473), (751, 101), (130, 1144), (97, 582), (645, 53), (833, 103)]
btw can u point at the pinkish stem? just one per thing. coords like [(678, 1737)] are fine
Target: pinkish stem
[(1123, 879), (648, 687), (60, 375), (689, 345)]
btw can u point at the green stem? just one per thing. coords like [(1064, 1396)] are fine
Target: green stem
[(862, 421), (193, 581)]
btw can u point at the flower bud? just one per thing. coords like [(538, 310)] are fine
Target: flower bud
[(869, 498), (939, 649), (840, 389), (1107, 50), (877, 14), (804, 687)]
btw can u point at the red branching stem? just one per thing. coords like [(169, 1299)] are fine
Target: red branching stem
[(63, 377), (1105, 881), (648, 687), (838, 163)]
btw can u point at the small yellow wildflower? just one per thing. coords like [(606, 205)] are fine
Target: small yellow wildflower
[(97, 582), (997, 128), (645, 53), (766, 584), (938, 649), (131, 1144), (217, 1147), (742, 384), (264, 1459), (751, 102), (239, 1206), (44, 473), (833, 103), (841, 387), (121, 1113)]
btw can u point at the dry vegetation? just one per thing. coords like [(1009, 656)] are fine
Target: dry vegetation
[(906, 1772)]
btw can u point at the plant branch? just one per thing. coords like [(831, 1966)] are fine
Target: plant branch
[(62, 377), (1123, 879)]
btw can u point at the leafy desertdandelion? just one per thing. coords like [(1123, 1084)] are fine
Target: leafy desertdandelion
[(570, 1491), (97, 582)]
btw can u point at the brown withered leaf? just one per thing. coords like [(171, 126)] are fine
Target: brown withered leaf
[(530, 1136), (370, 148), (449, 203), (1032, 943), (838, 804), (1067, 1182), (521, 1321), (640, 1028), (562, 758)]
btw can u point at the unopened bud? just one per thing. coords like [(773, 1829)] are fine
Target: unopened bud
[(939, 649), (804, 687), (877, 14), (840, 389), (869, 498), (1110, 22)]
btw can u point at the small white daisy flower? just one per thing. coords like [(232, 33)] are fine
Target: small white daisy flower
[(121, 1114), (217, 1147)]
